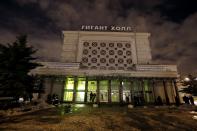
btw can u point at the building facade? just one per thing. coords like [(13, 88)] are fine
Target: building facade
[(108, 67)]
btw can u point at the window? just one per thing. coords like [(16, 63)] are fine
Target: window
[(68, 96), (69, 83), (115, 84)]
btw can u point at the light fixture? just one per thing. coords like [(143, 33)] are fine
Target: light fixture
[(187, 79)]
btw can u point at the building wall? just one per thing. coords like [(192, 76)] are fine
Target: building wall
[(143, 48), (69, 49), (47, 88), (73, 44)]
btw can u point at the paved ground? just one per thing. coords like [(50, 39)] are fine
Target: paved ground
[(113, 118)]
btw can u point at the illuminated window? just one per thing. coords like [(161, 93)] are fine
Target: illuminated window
[(126, 85), (69, 83), (115, 96), (135, 86), (68, 89), (92, 85), (147, 91), (115, 84), (68, 96), (81, 84), (145, 85), (103, 91), (126, 91), (103, 85), (80, 96)]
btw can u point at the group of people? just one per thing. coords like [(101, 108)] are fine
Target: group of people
[(92, 96), (188, 99)]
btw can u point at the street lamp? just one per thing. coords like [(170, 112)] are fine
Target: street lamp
[(187, 79)]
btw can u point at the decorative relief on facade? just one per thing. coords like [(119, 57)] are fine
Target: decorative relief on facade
[(85, 51), (103, 52), (94, 52), (86, 44), (84, 60), (129, 61), (120, 52), (127, 45), (102, 60), (93, 60), (103, 44), (119, 45), (128, 53), (120, 60), (107, 55), (111, 60), (111, 52), (111, 44), (94, 44)]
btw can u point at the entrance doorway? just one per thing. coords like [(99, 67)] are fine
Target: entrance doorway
[(115, 85), (103, 85), (92, 87), (127, 96)]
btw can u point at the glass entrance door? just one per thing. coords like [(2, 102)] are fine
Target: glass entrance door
[(68, 89), (92, 87), (103, 85), (127, 96), (80, 91), (137, 93), (115, 85), (148, 93)]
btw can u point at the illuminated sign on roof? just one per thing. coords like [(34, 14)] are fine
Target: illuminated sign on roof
[(107, 28)]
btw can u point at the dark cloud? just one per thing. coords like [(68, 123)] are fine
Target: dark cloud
[(173, 39), (177, 10)]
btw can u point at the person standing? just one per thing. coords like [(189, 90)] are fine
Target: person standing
[(177, 101), (91, 96), (191, 99), (185, 99)]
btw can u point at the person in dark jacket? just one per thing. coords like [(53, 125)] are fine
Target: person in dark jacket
[(191, 99), (91, 96)]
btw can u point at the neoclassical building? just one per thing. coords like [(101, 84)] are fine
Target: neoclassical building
[(115, 66)]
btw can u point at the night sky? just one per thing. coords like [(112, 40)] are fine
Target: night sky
[(172, 24)]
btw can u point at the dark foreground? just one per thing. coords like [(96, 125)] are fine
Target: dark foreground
[(101, 119)]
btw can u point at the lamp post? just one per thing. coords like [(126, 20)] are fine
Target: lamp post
[(190, 84)]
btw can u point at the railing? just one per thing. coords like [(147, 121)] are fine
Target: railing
[(156, 68), (59, 65)]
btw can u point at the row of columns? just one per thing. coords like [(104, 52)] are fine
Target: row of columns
[(120, 89), (174, 84)]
